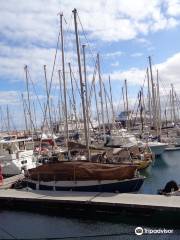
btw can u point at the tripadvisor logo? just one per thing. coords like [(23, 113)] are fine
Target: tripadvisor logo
[(139, 231)]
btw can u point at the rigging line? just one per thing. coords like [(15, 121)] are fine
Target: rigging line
[(118, 107), (93, 57), (76, 83), (35, 90), (106, 92), (67, 26), (142, 86), (29, 115), (93, 80), (52, 74)]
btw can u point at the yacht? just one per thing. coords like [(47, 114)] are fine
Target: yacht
[(16, 155)]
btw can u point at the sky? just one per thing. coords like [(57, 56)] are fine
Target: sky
[(123, 32)]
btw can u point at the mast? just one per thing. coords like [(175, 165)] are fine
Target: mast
[(8, 119), (112, 106), (73, 97), (35, 118), (141, 111), (86, 89), (24, 110), (170, 102), (29, 105), (61, 104), (101, 96), (123, 99), (59, 114), (153, 95), (81, 82), (158, 107), (173, 103), (127, 104), (149, 95), (143, 105), (165, 113), (48, 102), (64, 80), (107, 112), (97, 109)]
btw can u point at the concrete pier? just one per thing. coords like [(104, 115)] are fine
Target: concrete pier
[(107, 202)]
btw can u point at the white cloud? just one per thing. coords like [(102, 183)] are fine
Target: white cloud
[(9, 97), (115, 64), (29, 29), (137, 54), (134, 76), (113, 54), (173, 7), (37, 22), (169, 72)]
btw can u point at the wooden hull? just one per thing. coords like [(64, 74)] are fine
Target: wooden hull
[(123, 186)]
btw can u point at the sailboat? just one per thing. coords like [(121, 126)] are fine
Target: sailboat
[(83, 176)]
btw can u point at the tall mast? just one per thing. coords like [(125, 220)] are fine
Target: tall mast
[(48, 96), (170, 102), (124, 105), (143, 106), (149, 96), (112, 106), (59, 111), (101, 96), (107, 112), (64, 80), (173, 103), (24, 110), (127, 105), (35, 118), (141, 111), (158, 107), (8, 119), (29, 105), (81, 82), (153, 95), (61, 108), (86, 89), (73, 97), (97, 109)]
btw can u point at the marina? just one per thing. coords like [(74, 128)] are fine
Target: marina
[(90, 124)]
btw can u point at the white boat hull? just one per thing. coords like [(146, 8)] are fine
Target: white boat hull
[(157, 149), (13, 164)]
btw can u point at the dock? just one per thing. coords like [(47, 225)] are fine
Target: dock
[(91, 201)]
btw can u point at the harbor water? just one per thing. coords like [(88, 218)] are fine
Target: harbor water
[(36, 225)]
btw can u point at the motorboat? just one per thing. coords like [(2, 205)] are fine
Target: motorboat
[(16, 156)]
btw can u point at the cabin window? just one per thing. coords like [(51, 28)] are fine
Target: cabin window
[(29, 146), (21, 146)]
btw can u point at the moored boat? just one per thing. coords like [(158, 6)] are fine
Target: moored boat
[(16, 156), (84, 176), (171, 189)]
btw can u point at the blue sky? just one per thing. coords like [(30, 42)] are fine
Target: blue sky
[(124, 32)]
